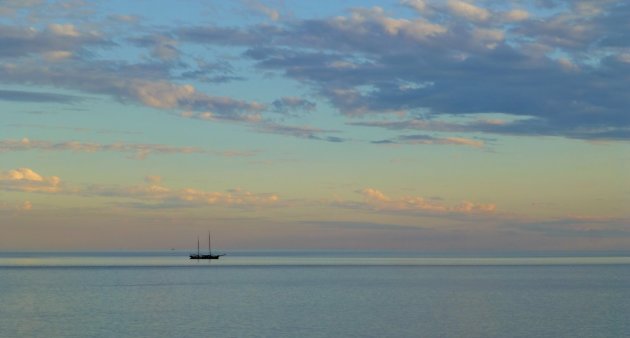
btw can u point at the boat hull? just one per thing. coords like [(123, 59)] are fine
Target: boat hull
[(205, 256)]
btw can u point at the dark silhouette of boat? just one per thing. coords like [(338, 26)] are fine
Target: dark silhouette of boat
[(209, 255)]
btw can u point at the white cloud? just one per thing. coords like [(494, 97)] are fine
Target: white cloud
[(516, 15), (27, 180), (464, 141), (22, 174), (419, 5), (257, 6), (57, 55), (163, 94), (361, 20), (488, 37), (467, 10), (67, 30)]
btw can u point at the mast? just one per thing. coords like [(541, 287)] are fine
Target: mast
[(197, 246), (209, 247)]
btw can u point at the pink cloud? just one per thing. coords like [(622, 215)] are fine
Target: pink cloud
[(25, 179), (375, 199)]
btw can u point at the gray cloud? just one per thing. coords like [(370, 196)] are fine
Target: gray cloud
[(562, 71), (305, 132), (162, 47), (139, 151), (133, 83), (230, 36), (59, 40), (430, 140), (28, 96), (371, 62), (291, 104), (220, 71)]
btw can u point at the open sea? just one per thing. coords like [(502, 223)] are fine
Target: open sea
[(312, 294)]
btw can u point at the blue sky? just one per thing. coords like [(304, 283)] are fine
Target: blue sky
[(416, 125)]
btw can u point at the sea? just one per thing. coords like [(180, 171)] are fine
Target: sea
[(313, 294)]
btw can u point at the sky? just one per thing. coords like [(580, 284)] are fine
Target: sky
[(431, 126)]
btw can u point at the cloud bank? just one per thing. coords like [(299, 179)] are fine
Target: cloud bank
[(151, 194), (558, 67)]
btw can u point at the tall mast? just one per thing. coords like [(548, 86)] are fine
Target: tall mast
[(209, 247)]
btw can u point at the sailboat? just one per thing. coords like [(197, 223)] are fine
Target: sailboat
[(209, 255)]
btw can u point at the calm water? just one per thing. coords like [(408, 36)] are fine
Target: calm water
[(312, 295)]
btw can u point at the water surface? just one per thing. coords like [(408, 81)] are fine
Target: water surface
[(330, 294)]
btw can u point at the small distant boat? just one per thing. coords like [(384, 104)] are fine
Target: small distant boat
[(209, 255)]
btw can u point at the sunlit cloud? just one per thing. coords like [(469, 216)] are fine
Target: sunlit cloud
[(259, 7), (468, 10), (156, 194), (27, 180), (430, 140), (377, 200), (516, 15), (347, 94), (26, 206), (153, 192), (136, 151)]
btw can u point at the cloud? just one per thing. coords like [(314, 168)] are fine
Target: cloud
[(62, 39), (377, 200), (419, 5), (126, 19), (152, 192), (162, 47), (64, 30), (57, 55), (468, 10), (156, 194), (290, 104), (139, 151), (427, 140), (305, 132), (27, 180), (28, 96), (19, 207), (220, 71), (258, 34), (140, 83), (26, 206), (516, 15), (418, 29), (578, 226), (258, 7), (541, 64), (370, 62), (10, 7)]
